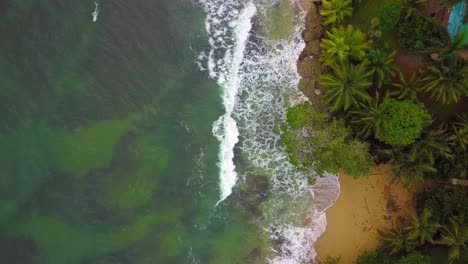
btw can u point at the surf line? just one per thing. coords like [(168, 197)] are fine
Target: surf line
[(225, 128), (95, 12)]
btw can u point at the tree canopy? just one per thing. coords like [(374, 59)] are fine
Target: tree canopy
[(404, 122), (347, 86), (343, 43), (447, 82), (335, 11)]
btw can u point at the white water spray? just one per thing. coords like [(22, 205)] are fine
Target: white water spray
[(226, 70), (95, 12), (259, 80)]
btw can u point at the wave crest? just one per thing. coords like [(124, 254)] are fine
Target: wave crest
[(259, 79)]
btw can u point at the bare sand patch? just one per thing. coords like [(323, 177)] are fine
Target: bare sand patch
[(363, 206)]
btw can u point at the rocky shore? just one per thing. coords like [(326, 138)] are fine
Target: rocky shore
[(309, 66)]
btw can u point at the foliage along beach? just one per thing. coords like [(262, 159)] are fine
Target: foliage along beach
[(387, 86)]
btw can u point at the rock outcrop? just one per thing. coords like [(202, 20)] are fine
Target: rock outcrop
[(309, 66)]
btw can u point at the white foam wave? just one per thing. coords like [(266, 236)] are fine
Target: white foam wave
[(95, 12), (229, 31), (259, 79)]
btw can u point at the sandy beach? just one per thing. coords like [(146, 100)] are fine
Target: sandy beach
[(363, 206)]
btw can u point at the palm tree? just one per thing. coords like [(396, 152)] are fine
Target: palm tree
[(371, 118), (410, 165), (447, 49), (343, 43), (347, 86), (459, 136), (447, 82), (381, 64), (411, 7), (433, 143), (335, 11), (409, 89), (421, 227), (456, 238), (396, 240), (417, 160)]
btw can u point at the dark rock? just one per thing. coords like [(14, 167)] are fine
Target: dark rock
[(307, 35), (311, 51), (312, 13), (313, 20), (317, 32), (313, 34), (307, 86), (309, 67), (313, 48)]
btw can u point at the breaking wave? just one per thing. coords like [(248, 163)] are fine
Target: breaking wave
[(259, 81)]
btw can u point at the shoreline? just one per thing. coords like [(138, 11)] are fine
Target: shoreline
[(364, 205)]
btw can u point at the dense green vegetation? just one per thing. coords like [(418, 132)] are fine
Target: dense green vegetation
[(380, 63), (347, 86), (417, 32), (335, 11), (397, 93), (389, 15), (441, 219), (342, 44), (402, 123), (447, 82), (314, 138)]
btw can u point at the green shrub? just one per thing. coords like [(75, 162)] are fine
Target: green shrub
[(417, 33), (389, 15), (404, 122), (446, 205), (313, 139)]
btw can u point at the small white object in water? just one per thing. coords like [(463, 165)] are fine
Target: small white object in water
[(96, 12)]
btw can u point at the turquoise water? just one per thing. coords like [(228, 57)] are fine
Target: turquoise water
[(107, 153), (151, 134)]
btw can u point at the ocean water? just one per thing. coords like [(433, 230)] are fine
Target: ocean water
[(146, 131)]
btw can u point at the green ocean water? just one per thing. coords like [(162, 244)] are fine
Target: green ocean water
[(106, 149)]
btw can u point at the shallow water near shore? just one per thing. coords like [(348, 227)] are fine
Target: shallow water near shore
[(150, 135)]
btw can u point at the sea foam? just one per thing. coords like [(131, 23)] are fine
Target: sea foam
[(229, 31), (259, 79)]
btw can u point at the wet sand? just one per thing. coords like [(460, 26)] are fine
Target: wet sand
[(363, 206)]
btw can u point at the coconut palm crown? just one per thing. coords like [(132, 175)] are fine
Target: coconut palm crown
[(371, 118), (455, 236), (347, 86), (447, 82), (421, 228), (380, 63), (343, 43), (409, 88), (396, 240), (335, 11)]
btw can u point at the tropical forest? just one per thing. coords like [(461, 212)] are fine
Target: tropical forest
[(389, 87)]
